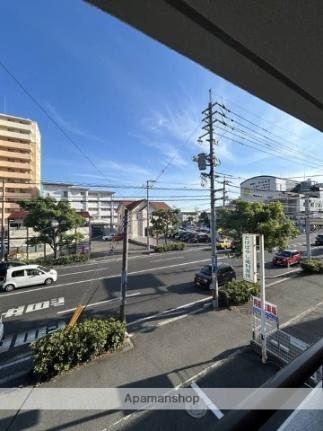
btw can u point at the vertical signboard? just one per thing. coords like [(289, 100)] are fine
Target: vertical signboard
[(249, 257)]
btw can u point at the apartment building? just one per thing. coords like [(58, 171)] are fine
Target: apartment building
[(20, 163), (290, 193), (99, 203)]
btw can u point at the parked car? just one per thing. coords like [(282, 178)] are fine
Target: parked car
[(225, 274), (27, 275), (287, 258), (5, 265), (108, 237), (319, 240), (202, 237), (117, 237)]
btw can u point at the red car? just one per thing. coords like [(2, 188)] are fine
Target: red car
[(287, 258)]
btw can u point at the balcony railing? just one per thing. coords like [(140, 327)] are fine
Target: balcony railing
[(293, 375)]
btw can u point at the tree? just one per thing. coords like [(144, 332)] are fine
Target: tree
[(268, 219), (163, 220), (204, 219), (52, 220)]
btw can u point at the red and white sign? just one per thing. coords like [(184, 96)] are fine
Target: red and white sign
[(271, 310)]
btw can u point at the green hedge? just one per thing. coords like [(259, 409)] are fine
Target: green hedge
[(238, 292), (169, 247), (59, 351), (312, 266), (62, 260)]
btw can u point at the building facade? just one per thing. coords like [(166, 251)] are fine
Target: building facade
[(20, 161), (264, 187), (99, 203), (290, 193), (137, 225)]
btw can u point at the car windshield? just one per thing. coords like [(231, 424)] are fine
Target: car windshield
[(206, 269), (284, 254), (43, 268)]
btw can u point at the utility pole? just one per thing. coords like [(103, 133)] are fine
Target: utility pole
[(307, 226), (124, 273), (224, 193), (111, 215), (203, 160), (2, 220), (147, 202)]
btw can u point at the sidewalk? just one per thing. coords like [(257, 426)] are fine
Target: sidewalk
[(167, 356)]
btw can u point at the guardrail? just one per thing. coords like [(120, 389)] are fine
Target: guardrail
[(293, 375)]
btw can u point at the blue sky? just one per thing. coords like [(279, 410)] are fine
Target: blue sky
[(129, 103)]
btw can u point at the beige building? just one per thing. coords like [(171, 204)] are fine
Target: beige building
[(19, 160)]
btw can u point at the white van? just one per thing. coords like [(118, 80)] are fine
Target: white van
[(27, 275)]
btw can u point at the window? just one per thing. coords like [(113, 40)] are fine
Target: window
[(33, 272), (18, 273)]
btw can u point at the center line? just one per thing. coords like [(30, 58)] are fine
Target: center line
[(99, 303)]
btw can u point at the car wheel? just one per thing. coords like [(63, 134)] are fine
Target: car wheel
[(49, 281), (9, 287)]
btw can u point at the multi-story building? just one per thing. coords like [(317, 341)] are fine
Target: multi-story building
[(20, 163), (290, 193), (264, 187), (99, 203)]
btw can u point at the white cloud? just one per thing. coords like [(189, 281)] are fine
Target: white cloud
[(72, 128)]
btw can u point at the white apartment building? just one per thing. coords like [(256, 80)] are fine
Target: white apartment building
[(264, 187), (289, 193), (99, 203)]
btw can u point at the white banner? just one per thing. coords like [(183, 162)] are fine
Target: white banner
[(249, 257)]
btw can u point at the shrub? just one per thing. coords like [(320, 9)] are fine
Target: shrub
[(312, 266), (59, 351), (61, 260), (238, 292), (169, 247)]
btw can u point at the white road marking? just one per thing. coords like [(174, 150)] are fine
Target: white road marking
[(16, 361), (38, 306), (277, 282), (82, 272), (170, 310), (214, 409), (185, 383), (173, 319), (94, 304), (103, 278), (288, 272), (29, 336), (301, 315)]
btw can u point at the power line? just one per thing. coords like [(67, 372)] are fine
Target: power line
[(46, 113)]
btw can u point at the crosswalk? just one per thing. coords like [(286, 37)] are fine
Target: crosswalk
[(13, 341)]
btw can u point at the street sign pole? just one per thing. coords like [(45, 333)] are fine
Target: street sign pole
[(263, 299)]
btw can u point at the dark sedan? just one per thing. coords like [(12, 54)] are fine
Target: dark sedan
[(319, 240), (204, 278)]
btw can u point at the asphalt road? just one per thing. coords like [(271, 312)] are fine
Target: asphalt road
[(160, 288), (164, 309)]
